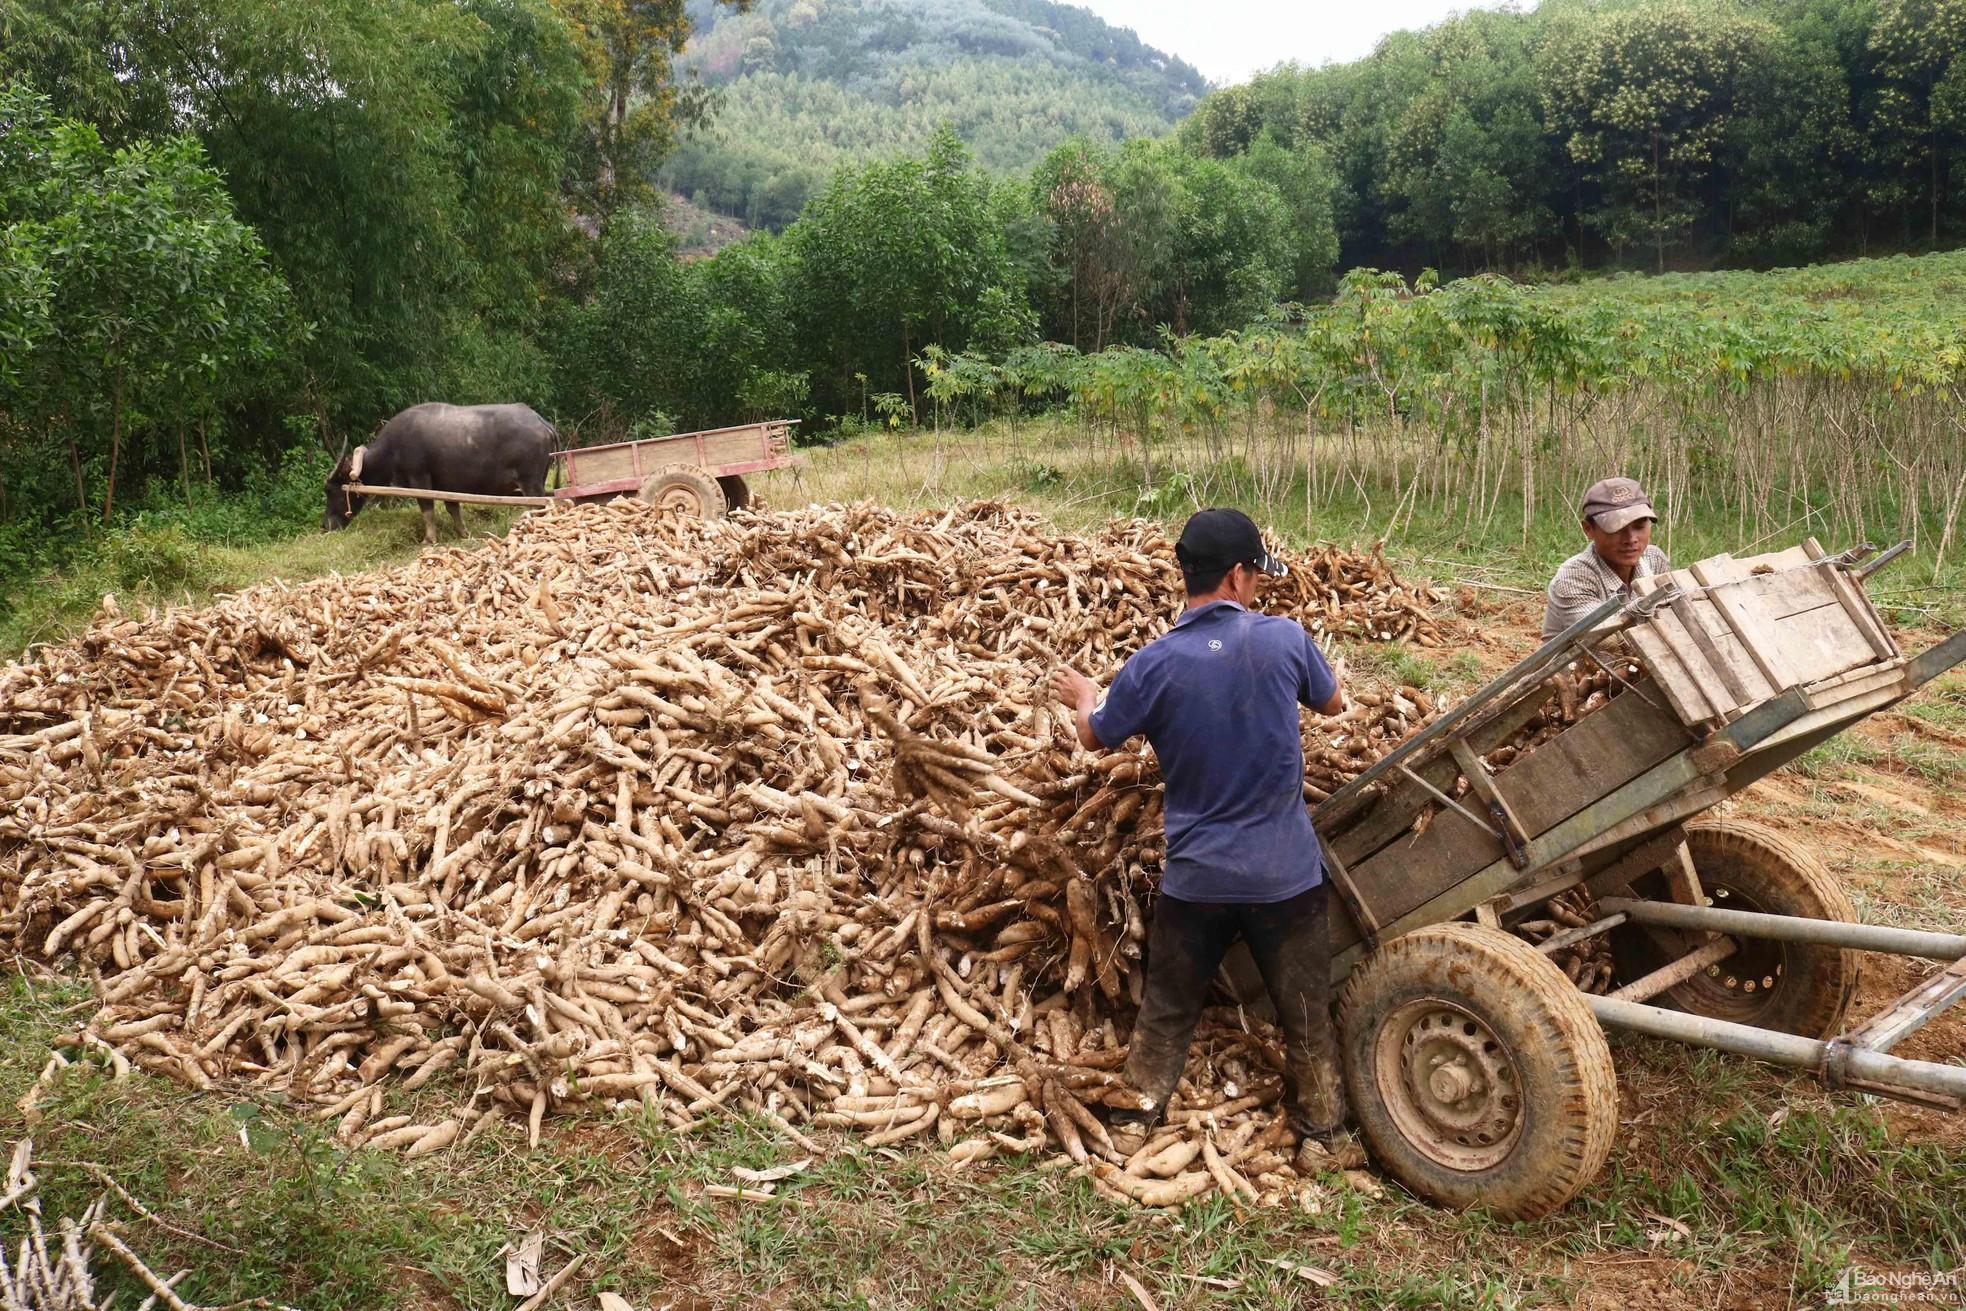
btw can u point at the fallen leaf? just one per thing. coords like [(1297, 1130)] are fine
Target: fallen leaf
[(615, 1302), (522, 1264), (1139, 1293), (772, 1175), (1674, 1229), (1317, 1275), (552, 1286)]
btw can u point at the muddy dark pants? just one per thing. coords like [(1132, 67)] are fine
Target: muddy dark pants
[(1291, 943)]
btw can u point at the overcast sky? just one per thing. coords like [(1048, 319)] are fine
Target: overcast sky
[(1230, 39)]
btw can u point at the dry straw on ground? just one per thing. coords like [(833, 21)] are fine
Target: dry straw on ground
[(772, 813)]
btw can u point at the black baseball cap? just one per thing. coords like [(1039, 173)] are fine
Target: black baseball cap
[(1217, 540)]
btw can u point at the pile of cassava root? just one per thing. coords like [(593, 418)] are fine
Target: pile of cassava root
[(772, 813)]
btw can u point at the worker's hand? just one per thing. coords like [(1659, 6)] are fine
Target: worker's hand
[(1073, 688)]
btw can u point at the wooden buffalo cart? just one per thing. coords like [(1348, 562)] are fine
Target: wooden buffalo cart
[(700, 473), (1478, 1070)]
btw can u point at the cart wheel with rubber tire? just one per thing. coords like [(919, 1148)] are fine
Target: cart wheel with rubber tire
[(1476, 1071), (737, 493), (1794, 987), (686, 488)]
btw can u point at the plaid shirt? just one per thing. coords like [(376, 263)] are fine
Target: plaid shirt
[(1584, 582)]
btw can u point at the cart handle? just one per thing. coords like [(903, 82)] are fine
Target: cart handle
[(1882, 560)]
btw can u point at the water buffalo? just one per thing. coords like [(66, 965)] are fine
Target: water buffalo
[(487, 450)]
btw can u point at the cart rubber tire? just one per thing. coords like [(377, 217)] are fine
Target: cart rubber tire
[(737, 493), (686, 488), (1476, 1071), (1794, 987)]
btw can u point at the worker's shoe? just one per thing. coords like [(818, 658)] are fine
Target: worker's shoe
[(1128, 1135), (1337, 1150)]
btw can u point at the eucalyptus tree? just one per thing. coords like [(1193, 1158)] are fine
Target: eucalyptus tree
[(1468, 163), (1916, 112), (1643, 98), (634, 104), (1306, 183)]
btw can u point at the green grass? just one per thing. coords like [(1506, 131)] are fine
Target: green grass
[(1048, 464), (1079, 482), (1904, 753), (155, 567), (1943, 705), (1770, 1179)]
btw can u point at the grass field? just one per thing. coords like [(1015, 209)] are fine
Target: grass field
[(1731, 1185), (1072, 476)]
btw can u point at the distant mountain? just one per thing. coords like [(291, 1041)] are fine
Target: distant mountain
[(809, 85)]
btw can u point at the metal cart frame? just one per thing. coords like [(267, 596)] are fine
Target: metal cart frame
[(1730, 670)]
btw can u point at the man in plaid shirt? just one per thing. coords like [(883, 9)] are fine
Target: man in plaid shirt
[(1618, 519)]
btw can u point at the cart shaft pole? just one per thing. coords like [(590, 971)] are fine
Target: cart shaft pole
[(1790, 928), (1864, 1067)]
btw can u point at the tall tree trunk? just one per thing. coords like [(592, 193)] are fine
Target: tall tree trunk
[(1658, 207), (183, 465), (1078, 279), (81, 492), (908, 372), (115, 445), (205, 450), (1578, 213)]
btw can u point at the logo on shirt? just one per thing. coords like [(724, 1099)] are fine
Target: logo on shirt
[(1215, 644)]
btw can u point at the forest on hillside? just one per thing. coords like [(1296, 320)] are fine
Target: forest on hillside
[(1646, 134), (806, 86)]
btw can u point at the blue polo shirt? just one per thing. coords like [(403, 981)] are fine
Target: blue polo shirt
[(1217, 697)]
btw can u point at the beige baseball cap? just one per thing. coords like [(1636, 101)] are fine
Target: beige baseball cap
[(1616, 502)]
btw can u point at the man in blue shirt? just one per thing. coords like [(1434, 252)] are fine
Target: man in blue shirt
[(1217, 697)]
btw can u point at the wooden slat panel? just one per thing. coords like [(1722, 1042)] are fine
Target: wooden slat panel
[(1717, 574), (1859, 608), (1774, 597), (735, 447), (1588, 761), (1857, 682), (600, 466), (1782, 561), (1680, 684), (1402, 800), (1592, 758), (1822, 642), (1645, 791), (1790, 618), (1718, 644), (1408, 872), (1669, 671)]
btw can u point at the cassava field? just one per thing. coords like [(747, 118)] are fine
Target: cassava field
[(232, 1141)]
